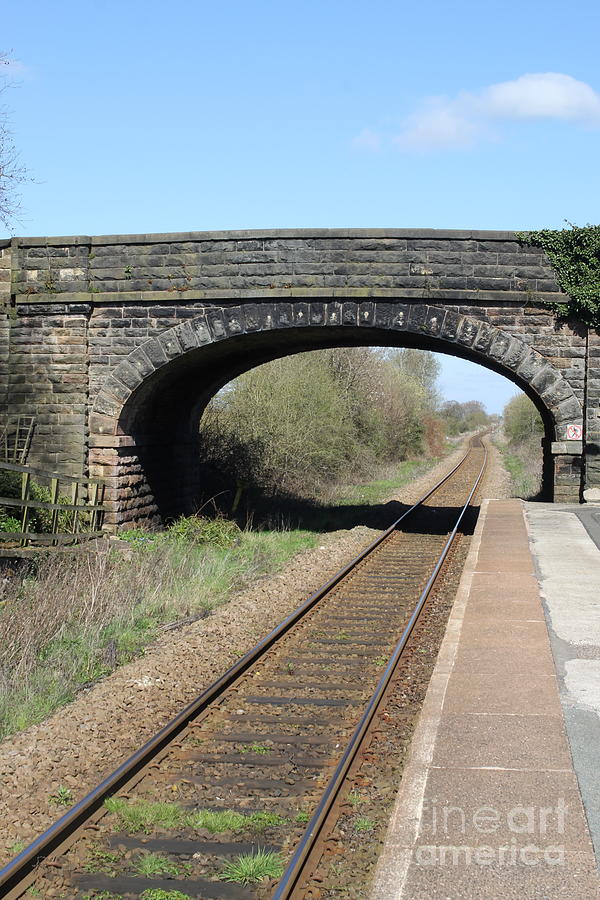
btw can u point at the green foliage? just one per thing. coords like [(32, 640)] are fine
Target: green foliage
[(260, 820), (522, 454), (102, 895), (63, 796), (219, 532), (145, 815), (252, 868), (100, 860), (521, 420), (364, 824), (575, 255), (230, 820), (10, 483), (255, 748), (17, 848), (159, 894), (461, 417), (335, 414), (39, 520), (152, 864), (9, 523), (84, 613), (355, 799), (10, 486), (217, 821)]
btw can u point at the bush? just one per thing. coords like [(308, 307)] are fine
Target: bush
[(335, 415), (522, 421), (219, 532), (9, 523), (523, 428)]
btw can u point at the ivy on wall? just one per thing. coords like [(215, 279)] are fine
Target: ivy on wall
[(574, 253)]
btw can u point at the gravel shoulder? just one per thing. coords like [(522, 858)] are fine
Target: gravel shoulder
[(79, 745)]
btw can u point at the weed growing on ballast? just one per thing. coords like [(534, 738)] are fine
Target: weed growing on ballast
[(150, 864), (252, 868)]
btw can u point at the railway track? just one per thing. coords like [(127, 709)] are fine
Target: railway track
[(242, 782)]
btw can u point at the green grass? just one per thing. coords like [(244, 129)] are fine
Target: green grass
[(63, 796), (86, 613), (229, 820), (252, 868), (102, 895), (159, 894), (364, 824), (372, 492), (17, 848), (255, 748), (355, 799), (145, 816), (258, 821), (218, 821), (523, 463), (524, 482), (100, 860), (151, 864)]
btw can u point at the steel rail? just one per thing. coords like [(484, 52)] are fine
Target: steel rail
[(293, 872), (50, 840)]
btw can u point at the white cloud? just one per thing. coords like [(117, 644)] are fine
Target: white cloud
[(547, 95), (442, 124), (460, 121)]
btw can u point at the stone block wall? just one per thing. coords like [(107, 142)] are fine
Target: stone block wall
[(5, 275), (86, 307), (421, 260), (592, 424), (48, 378)]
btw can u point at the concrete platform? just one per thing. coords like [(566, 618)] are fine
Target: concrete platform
[(508, 742)]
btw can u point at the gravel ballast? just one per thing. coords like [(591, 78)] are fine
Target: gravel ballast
[(81, 743)]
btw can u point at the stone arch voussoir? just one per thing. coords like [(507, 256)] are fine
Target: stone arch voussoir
[(477, 336)]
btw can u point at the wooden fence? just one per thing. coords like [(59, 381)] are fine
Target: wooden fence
[(71, 509), (15, 438)]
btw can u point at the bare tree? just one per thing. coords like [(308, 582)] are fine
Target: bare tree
[(12, 171)]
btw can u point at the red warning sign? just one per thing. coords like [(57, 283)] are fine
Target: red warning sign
[(574, 432)]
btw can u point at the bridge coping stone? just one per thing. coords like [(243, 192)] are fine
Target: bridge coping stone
[(250, 234)]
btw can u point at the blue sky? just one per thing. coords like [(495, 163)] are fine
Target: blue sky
[(146, 117)]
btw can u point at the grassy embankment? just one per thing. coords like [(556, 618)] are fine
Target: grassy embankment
[(523, 464), (372, 492), (519, 441), (82, 614)]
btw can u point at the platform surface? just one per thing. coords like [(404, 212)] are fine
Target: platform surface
[(490, 804)]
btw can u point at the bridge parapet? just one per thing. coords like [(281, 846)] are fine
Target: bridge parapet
[(473, 264)]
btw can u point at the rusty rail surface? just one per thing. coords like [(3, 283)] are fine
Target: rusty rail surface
[(387, 600)]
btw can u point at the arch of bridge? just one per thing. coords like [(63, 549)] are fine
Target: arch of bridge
[(431, 325)]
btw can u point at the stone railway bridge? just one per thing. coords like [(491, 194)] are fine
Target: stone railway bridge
[(116, 343)]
